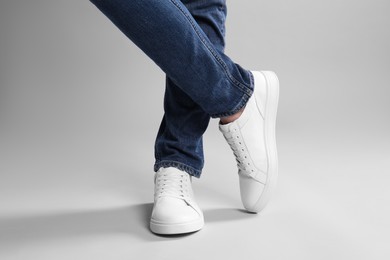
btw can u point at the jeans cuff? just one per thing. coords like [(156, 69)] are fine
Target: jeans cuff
[(244, 99), (181, 166)]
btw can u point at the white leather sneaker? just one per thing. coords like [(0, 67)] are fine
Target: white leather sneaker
[(175, 210), (252, 139)]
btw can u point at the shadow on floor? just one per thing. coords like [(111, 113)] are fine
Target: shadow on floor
[(132, 220)]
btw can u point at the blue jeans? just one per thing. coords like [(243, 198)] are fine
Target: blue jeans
[(186, 40)]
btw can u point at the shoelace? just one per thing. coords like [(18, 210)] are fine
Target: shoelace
[(173, 185), (243, 160)]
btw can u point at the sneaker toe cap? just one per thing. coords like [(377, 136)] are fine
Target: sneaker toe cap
[(251, 193), (173, 210)]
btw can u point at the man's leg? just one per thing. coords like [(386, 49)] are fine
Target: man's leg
[(201, 74), (179, 139)]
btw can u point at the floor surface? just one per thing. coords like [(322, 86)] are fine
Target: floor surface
[(91, 198)]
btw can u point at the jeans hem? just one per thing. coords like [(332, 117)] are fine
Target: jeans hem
[(181, 166), (244, 99)]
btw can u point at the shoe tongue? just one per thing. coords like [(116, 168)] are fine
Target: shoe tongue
[(172, 170), (225, 127)]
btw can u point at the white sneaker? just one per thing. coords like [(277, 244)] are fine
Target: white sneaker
[(252, 139), (175, 210)]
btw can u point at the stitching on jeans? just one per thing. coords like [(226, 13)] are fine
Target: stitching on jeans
[(213, 53), (192, 171), (242, 103)]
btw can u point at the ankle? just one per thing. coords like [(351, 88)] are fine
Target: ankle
[(231, 118)]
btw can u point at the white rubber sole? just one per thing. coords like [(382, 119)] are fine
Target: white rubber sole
[(272, 83), (179, 228)]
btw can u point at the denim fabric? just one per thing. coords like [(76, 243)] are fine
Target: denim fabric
[(186, 40)]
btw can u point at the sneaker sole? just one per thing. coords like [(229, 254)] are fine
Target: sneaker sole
[(272, 84), (172, 229)]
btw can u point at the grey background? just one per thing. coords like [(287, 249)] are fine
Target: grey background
[(80, 106)]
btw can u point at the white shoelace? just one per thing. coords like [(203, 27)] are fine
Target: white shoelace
[(244, 162), (172, 184)]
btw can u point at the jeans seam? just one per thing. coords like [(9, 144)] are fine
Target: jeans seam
[(235, 82)]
